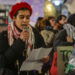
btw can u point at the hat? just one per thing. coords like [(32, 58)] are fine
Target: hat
[(18, 6)]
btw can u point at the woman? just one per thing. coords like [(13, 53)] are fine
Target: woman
[(66, 36), (50, 23), (18, 41)]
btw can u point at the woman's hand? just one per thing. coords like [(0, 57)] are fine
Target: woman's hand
[(69, 39), (24, 35), (45, 59)]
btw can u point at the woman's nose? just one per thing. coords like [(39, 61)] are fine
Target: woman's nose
[(24, 19)]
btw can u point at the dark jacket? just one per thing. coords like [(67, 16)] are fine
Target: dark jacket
[(61, 39), (9, 54)]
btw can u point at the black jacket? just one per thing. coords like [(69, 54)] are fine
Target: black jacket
[(61, 39), (9, 55)]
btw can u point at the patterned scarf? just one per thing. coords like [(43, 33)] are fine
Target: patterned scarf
[(70, 30), (13, 33)]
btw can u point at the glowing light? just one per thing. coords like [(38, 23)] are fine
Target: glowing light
[(49, 7), (49, 0), (57, 3)]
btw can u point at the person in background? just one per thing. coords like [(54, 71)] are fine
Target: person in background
[(60, 21), (18, 41), (50, 23), (61, 39), (48, 35), (38, 23), (66, 36)]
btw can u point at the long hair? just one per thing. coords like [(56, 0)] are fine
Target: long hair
[(60, 17), (71, 19), (48, 19), (37, 25)]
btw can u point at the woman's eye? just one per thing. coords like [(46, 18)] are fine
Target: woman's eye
[(22, 17), (28, 17)]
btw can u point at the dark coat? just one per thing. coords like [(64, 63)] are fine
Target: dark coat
[(9, 55), (61, 39)]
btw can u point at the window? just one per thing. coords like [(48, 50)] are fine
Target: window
[(3, 17)]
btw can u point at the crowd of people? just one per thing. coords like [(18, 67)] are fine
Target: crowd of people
[(20, 38)]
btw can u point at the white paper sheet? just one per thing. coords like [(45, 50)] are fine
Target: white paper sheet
[(32, 62)]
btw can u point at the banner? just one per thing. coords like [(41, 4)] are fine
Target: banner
[(63, 54)]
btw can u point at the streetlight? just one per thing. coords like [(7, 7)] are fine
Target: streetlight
[(57, 2)]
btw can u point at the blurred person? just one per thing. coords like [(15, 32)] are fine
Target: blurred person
[(38, 23), (50, 23), (66, 37), (63, 38), (18, 41), (60, 21), (48, 38), (48, 35)]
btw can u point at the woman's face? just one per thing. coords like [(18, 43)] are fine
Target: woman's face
[(63, 21), (22, 19), (42, 24), (52, 22)]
